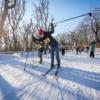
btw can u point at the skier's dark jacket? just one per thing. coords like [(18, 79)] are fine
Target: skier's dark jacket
[(52, 42)]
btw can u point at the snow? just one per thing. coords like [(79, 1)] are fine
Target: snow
[(77, 79)]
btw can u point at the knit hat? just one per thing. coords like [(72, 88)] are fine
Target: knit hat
[(40, 32), (92, 40)]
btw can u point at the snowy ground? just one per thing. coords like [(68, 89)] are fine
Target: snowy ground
[(78, 78)]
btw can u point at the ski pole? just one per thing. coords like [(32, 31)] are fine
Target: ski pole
[(27, 57), (33, 51), (32, 47), (26, 60), (90, 14), (47, 55)]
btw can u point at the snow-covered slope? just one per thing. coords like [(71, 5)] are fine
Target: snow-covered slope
[(77, 79)]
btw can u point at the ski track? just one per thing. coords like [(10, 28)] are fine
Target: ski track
[(90, 97), (76, 79), (21, 85)]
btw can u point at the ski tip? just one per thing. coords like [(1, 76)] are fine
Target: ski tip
[(43, 74), (54, 76), (33, 66)]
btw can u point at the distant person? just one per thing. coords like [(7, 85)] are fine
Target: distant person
[(62, 48), (80, 49), (85, 49), (92, 48), (66, 48), (77, 49)]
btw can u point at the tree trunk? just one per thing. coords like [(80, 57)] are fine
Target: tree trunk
[(5, 13), (3, 19)]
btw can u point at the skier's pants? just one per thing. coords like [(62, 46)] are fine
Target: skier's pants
[(77, 51), (63, 52), (92, 54), (56, 49), (40, 56)]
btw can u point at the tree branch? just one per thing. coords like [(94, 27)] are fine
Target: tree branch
[(9, 7)]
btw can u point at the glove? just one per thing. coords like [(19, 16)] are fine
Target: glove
[(55, 25), (36, 42), (98, 42), (51, 24)]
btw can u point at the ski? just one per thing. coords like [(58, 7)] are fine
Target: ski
[(97, 53), (34, 66), (48, 71), (34, 63), (55, 73)]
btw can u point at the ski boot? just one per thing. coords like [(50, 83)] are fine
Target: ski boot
[(52, 65), (58, 65), (40, 61)]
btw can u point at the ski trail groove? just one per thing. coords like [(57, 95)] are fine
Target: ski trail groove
[(59, 89)]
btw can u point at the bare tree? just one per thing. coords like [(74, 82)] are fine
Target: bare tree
[(27, 35), (95, 25), (4, 12), (41, 13), (15, 15), (41, 16)]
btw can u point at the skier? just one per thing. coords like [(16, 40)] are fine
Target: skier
[(62, 48), (46, 36), (66, 48), (92, 47), (40, 50), (85, 50), (77, 49), (80, 49)]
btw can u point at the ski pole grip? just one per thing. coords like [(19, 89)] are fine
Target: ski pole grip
[(90, 14), (53, 26)]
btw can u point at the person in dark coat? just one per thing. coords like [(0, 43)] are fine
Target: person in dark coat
[(77, 49), (62, 48), (47, 37)]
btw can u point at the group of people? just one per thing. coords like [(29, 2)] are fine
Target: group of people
[(47, 38), (91, 47), (79, 49)]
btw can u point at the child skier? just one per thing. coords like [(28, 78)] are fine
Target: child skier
[(46, 37), (92, 48), (40, 50)]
